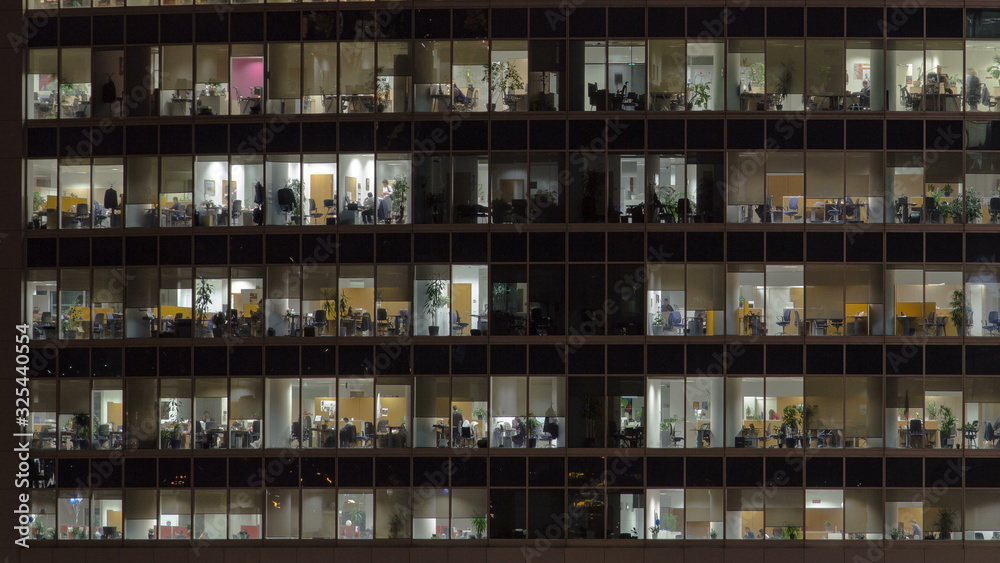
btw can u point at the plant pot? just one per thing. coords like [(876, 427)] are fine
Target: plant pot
[(590, 442), (482, 443), (789, 442), (532, 442), (894, 536), (175, 444), (657, 330), (71, 335), (713, 535), (778, 107), (151, 536), (433, 330)]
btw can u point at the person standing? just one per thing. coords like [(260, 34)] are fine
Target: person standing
[(973, 89), (456, 425), (917, 533)]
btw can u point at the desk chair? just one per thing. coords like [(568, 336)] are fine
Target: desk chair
[(82, 216), (313, 214), (793, 209), (366, 323), (992, 323), (368, 438), (784, 320), (835, 212), (98, 325), (916, 433), (319, 318), (930, 210), (838, 326), (994, 209), (675, 321), (852, 213), (929, 326), (99, 216), (382, 325), (550, 432), (905, 99), (348, 436), (457, 326), (103, 435), (971, 434), (540, 325)]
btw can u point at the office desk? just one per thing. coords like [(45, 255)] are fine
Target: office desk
[(239, 438), (904, 322), (753, 101), (358, 103), (829, 100), (860, 325), (936, 102), (322, 435)]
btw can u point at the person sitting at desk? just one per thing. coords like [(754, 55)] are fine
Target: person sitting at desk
[(460, 98), (748, 534), (973, 89), (937, 82), (348, 433), (368, 210), (865, 96)]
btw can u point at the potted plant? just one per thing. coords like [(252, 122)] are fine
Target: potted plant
[(994, 70), (783, 83), (400, 193), (502, 78), (479, 412), (946, 523), (655, 528), (896, 533), (243, 534), (946, 190), (81, 422), (37, 529), (791, 418), (947, 428), (658, 325), (70, 322), (532, 423), (667, 432), (590, 410), (699, 95), (479, 525), (970, 204), (713, 534), (755, 75), (396, 524), (670, 522), (828, 525), (749, 413), (202, 301), (151, 534), (960, 314), (435, 298), (667, 198), (790, 532)]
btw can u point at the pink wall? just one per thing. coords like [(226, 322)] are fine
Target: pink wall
[(248, 72)]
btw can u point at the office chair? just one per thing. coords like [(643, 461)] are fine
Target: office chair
[(592, 94), (99, 215), (916, 433), (466, 433), (784, 320), (835, 212), (994, 209), (98, 325), (296, 431), (675, 321), (540, 325), (929, 326), (989, 434), (382, 322), (930, 210), (904, 97), (103, 435), (851, 211), (368, 438), (366, 323), (319, 318), (313, 214), (457, 326), (992, 323), (82, 215), (971, 435), (838, 326), (793, 208)]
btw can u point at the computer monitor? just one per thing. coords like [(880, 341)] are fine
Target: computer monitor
[(318, 419)]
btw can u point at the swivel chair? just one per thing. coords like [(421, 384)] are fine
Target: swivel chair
[(457, 326), (992, 323), (675, 321), (994, 209), (793, 209), (784, 320)]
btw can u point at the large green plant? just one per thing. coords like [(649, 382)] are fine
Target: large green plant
[(959, 312), (502, 77), (791, 418), (479, 525), (948, 421), (700, 94), (396, 524), (783, 81), (400, 194), (203, 300), (435, 297), (994, 70), (947, 522)]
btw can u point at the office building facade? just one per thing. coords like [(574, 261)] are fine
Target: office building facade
[(507, 280)]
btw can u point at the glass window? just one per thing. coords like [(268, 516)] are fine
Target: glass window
[(282, 306), (142, 181), (357, 77), (626, 515), (785, 292), (175, 416), (626, 404), (213, 190), (823, 413), (746, 198), (862, 426), (546, 73), (627, 194), (824, 301), (357, 300), (246, 401), (244, 514), (175, 515), (785, 80), (545, 188), (283, 425), (744, 514), (704, 78), (177, 197), (980, 200), (945, 76), (430, 424), (547, 412), (74, 515), (282, 514), (177, 79), (508, 67), (944, 200), (284, 203), (247, 63), (355, 514), (905, 62), (75, 87), (665, 511), (785, 181), (470, 300), (320, 302), (982, 297), (865, 69), (509, 300), (212, 85), (865, 201), (746, 75), (319, 414), (509, 405), (43, 84), (703, 512), (107, 416), (863, 514), (210, 514), (75, 203), (357, 180), (392, 86), (107, 178), (356, 410), (470, 396), (211, 406), (141, 404), (665, 289), (666, 74), (212, 313), (704, 418), (824, 201), (705, 299), (392, 406), (470, 68), (320, 518), (980, 515), (665, 414), (864, 309), (43, 414), (284, 73), (823, 75), (469, 514), (319, 176), (246, 295), (393, 170), (904, 290), (943, 418), (319, 86), (904, 407), (140, 514), (432, 81), (40, 296), (509, 198), (470, 185), (74, 304), (41, 184), (392, 513), (432, 294), (746, 282), (246, 190)]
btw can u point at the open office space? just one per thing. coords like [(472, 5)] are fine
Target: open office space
[(341, 278)]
